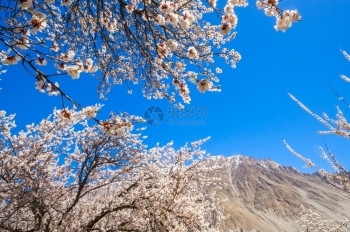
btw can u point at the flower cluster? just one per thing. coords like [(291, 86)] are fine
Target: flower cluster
[(46, 87), (88, 112), (229, 19), (125, 42), (117, 126), (75, 67), (284, 19)]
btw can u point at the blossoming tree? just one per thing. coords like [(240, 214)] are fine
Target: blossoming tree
[(163, 44), (66, 175), (312, 221), (339, 126)]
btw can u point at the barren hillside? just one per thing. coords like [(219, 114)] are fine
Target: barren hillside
[(261, 195)]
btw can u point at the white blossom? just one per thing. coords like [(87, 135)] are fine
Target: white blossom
[(228, 8), (192, 53), (225, 28), (10, 60), (213, 3), (286, 20), (239, 2), (38, 23), (180, 66), (25, 4), (185, 24), (55, 47), (90, 111), (259, 4), (173, 18), (68, 56), (73, 71), (166, 7), (23, 43), (218, 70), (204, 85), (231, 19), (160, 20), (41, 61), (189, 16), (192, 76), (171, 44)]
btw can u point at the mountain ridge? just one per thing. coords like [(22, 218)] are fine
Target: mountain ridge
[(263, 195)]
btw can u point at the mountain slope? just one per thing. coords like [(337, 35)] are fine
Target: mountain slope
[(262, 195)]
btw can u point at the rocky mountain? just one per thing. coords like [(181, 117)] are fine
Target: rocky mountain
[(261, 195)]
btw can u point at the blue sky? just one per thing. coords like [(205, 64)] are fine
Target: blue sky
[(253, 113)]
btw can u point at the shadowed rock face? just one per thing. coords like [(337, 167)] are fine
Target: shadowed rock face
[(263, 196)]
